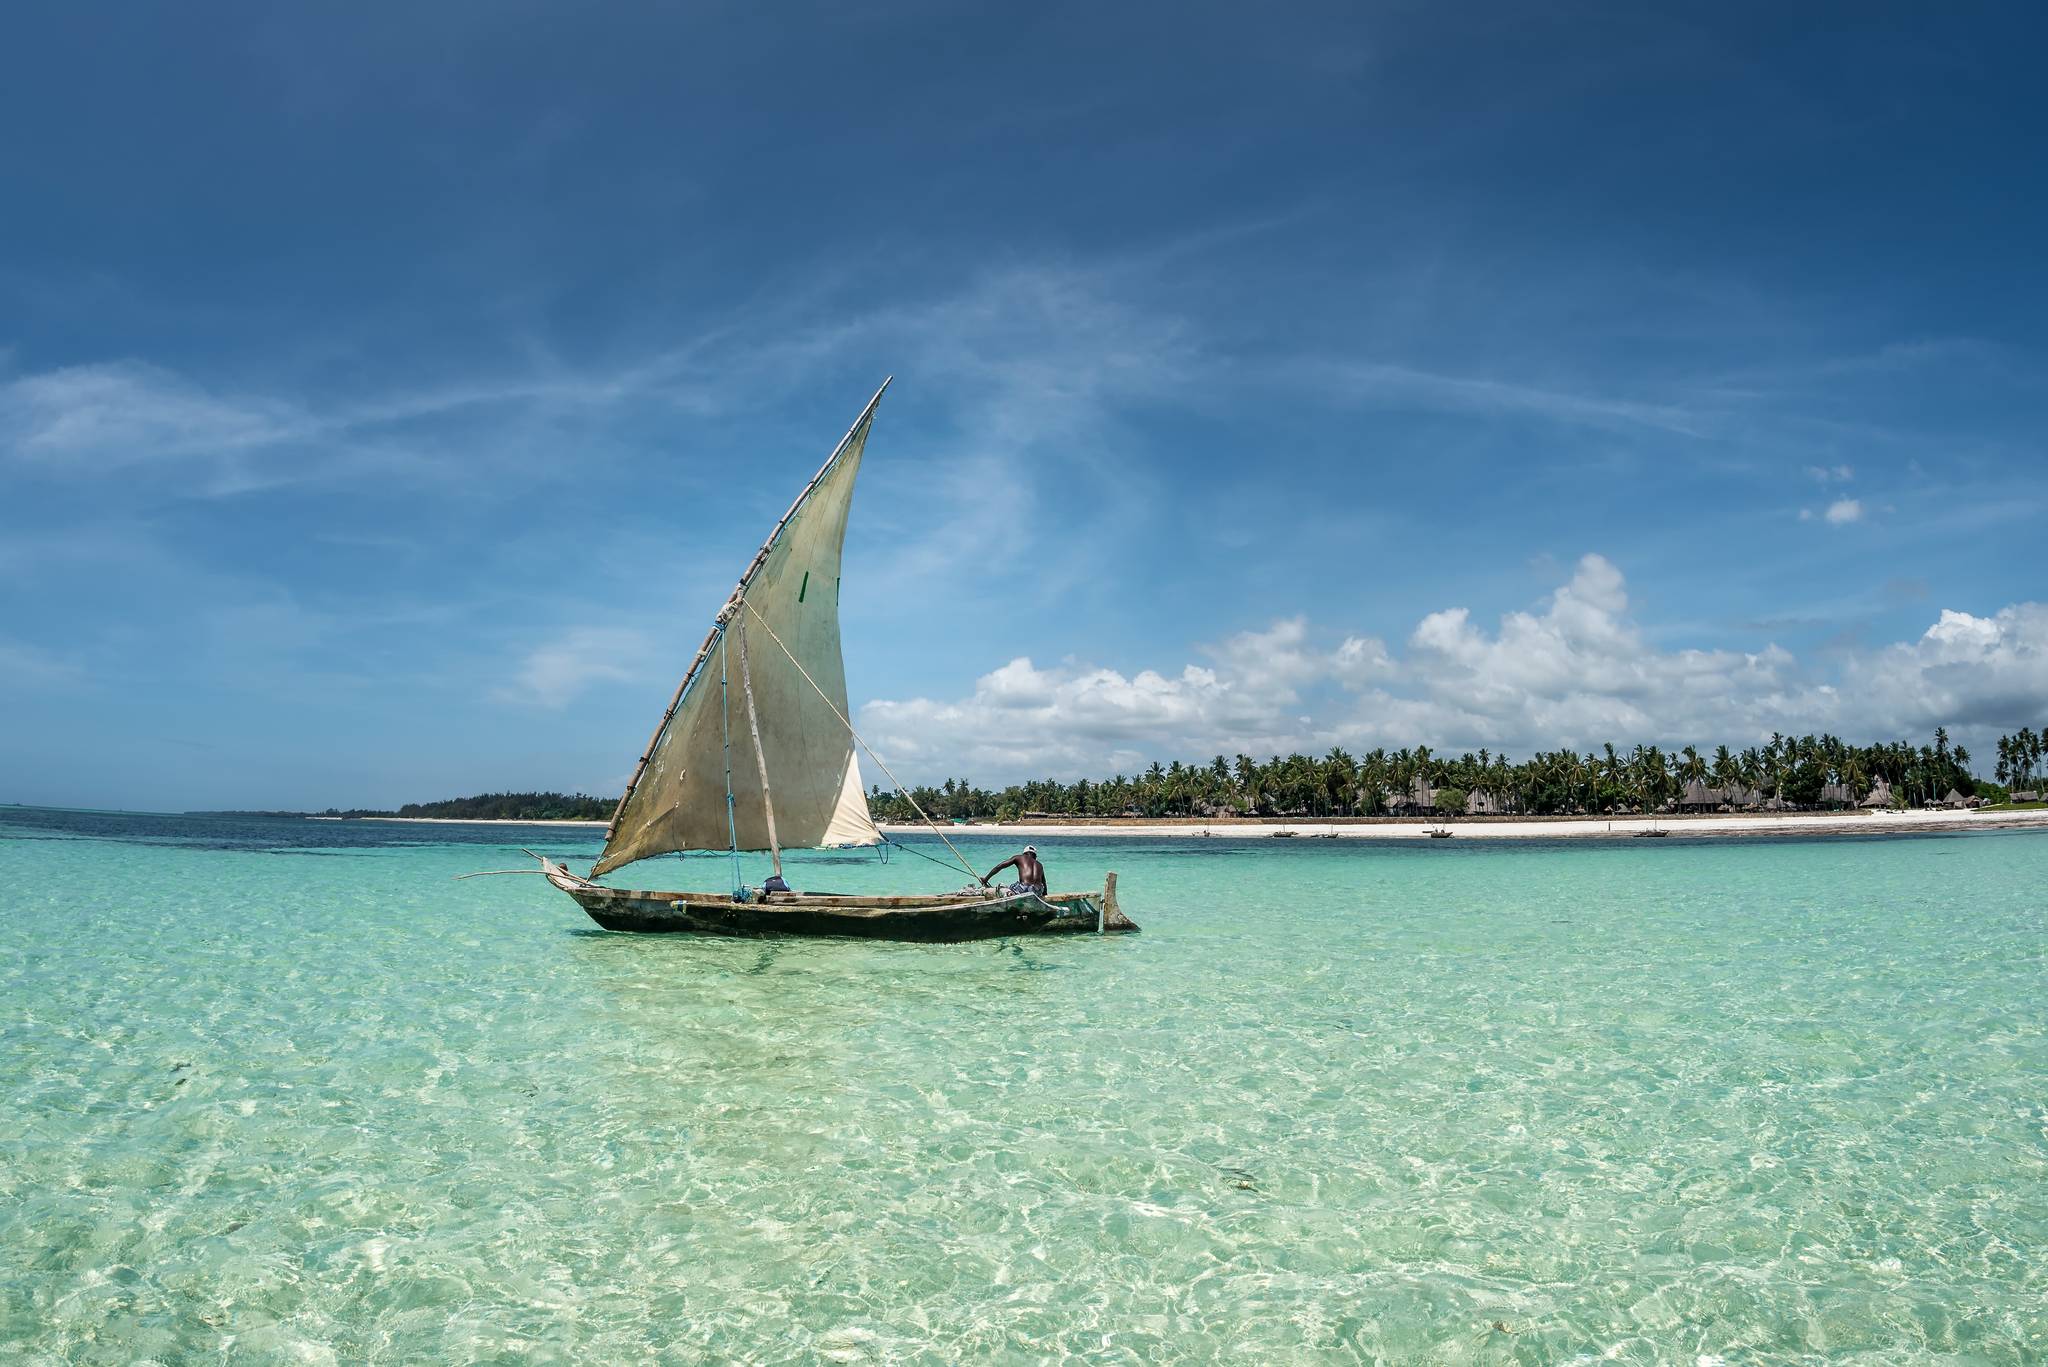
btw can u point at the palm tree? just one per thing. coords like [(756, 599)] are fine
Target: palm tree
[(1340, 779)]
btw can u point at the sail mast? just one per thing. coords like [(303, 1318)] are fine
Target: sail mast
[(760, 755), (718, 625)]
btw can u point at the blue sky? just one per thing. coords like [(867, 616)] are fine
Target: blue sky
[(388, 395)]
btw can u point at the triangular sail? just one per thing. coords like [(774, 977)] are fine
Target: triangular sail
[(678, 799)]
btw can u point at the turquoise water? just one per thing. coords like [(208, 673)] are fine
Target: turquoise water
[(282, 1090)]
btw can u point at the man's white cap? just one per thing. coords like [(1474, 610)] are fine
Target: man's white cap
[(1031, 849)]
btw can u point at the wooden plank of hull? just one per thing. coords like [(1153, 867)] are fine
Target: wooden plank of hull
[(925, 919)]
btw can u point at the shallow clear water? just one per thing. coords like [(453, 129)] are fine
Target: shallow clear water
[(284, 1090)]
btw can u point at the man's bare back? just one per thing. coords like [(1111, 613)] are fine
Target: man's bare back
[(1030, 873)]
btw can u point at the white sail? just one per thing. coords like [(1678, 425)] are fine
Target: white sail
[(678, 799)]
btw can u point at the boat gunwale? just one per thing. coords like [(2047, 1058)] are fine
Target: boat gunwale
[(1061, 907), (835, 902)]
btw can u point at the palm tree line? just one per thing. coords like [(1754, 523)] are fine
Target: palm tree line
[(2018, 757), (1800, 771)]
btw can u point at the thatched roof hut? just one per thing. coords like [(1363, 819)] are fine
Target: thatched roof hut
[(1482, 803), (1698, 797), (1420, 797), (1880, 794)]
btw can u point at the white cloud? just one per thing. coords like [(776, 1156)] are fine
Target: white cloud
[(1830, 474), (1083, 719), (562, 666), (1985, 674), (1576, 672), (1837, 514)]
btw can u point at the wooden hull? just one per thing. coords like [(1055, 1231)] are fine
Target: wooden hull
[(921, 919)]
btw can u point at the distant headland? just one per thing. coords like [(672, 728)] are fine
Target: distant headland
[(495, 807)]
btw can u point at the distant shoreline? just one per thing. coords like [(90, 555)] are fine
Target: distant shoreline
[(468, 820), (1382, 828)]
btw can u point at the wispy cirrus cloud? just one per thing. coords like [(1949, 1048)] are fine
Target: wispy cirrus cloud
[(132, 421), (25, 666), (103, 419), (1388, 384)]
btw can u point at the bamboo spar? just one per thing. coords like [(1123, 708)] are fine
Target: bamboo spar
[(718, 625)]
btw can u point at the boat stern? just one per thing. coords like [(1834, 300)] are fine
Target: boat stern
[(1113, 918)]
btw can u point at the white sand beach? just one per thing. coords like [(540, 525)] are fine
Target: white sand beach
[(1507, 828), (1534, 828)]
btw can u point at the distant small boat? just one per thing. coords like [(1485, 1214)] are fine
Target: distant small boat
[(1655, 830), (1441, 833), (1283, 835)]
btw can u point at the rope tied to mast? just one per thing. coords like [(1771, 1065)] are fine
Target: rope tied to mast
[(858, 740)]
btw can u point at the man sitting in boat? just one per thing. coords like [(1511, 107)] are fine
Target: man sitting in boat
[(1030, 873)]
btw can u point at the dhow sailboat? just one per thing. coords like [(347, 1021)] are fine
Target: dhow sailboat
[(755, 752)]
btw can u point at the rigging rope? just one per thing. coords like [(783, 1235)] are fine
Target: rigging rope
[(888, 842), (851, 732)]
